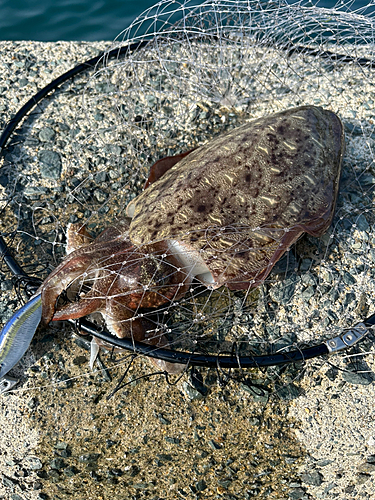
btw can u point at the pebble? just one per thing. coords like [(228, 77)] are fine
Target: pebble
[(363, 478), (164, 457), (15, 496), (100, 177), (82, 343), (109, 443), (113, 149), (53, 475), (366, 468), (64, 382), (284, 341), (352, 375), (89, 458), (191, 392), (172, 440), (196, 380), (142, 486), (46, 134), (9, 483), (70, 471), (309, 278), (57, 463), (313, 478), (133, 471), (332, 316), (352, 129), (79, 360), (74, 132), (324, 462), (115, 472), (362, 223), (31, 142), (347, 278), (33, 192), (105, 87), (297, 494), (62, 449), (100, 195), (214, 445), (258, 393), (224, 483), (254, 421), (34, 463), (50, 164), (283, 292), (6, 285), (288, 392), (4, 179), (163, 420), (95, 476), (201, 485), (349, 297), (308, 292), (291, 460)]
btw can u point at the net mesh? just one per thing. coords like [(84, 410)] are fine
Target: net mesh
[(207, 69)]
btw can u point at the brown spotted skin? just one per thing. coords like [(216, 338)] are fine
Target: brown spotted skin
[(242, 199)]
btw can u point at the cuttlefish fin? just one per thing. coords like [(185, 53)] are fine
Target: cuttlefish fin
[(241, 282), (159, 168)]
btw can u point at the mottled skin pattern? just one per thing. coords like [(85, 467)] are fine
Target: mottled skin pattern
[(234, 206), (233, 199)]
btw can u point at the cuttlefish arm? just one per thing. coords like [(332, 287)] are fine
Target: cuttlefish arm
[(79, 264)]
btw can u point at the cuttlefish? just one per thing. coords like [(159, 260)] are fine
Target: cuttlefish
[(222, 214)]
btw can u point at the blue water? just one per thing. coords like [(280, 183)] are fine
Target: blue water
[(52, 20)]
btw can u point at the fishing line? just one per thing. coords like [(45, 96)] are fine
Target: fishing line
[(160, 45)]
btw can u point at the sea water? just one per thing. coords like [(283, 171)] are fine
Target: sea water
[(84, 20)]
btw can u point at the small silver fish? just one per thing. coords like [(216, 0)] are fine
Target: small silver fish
[(16, 336)]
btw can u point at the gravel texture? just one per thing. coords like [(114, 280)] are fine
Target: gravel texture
[(63, 436)]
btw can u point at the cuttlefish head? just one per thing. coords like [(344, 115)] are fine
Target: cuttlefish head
[(115, 278)]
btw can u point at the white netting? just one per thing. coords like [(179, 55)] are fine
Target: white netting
[(207, 69)]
